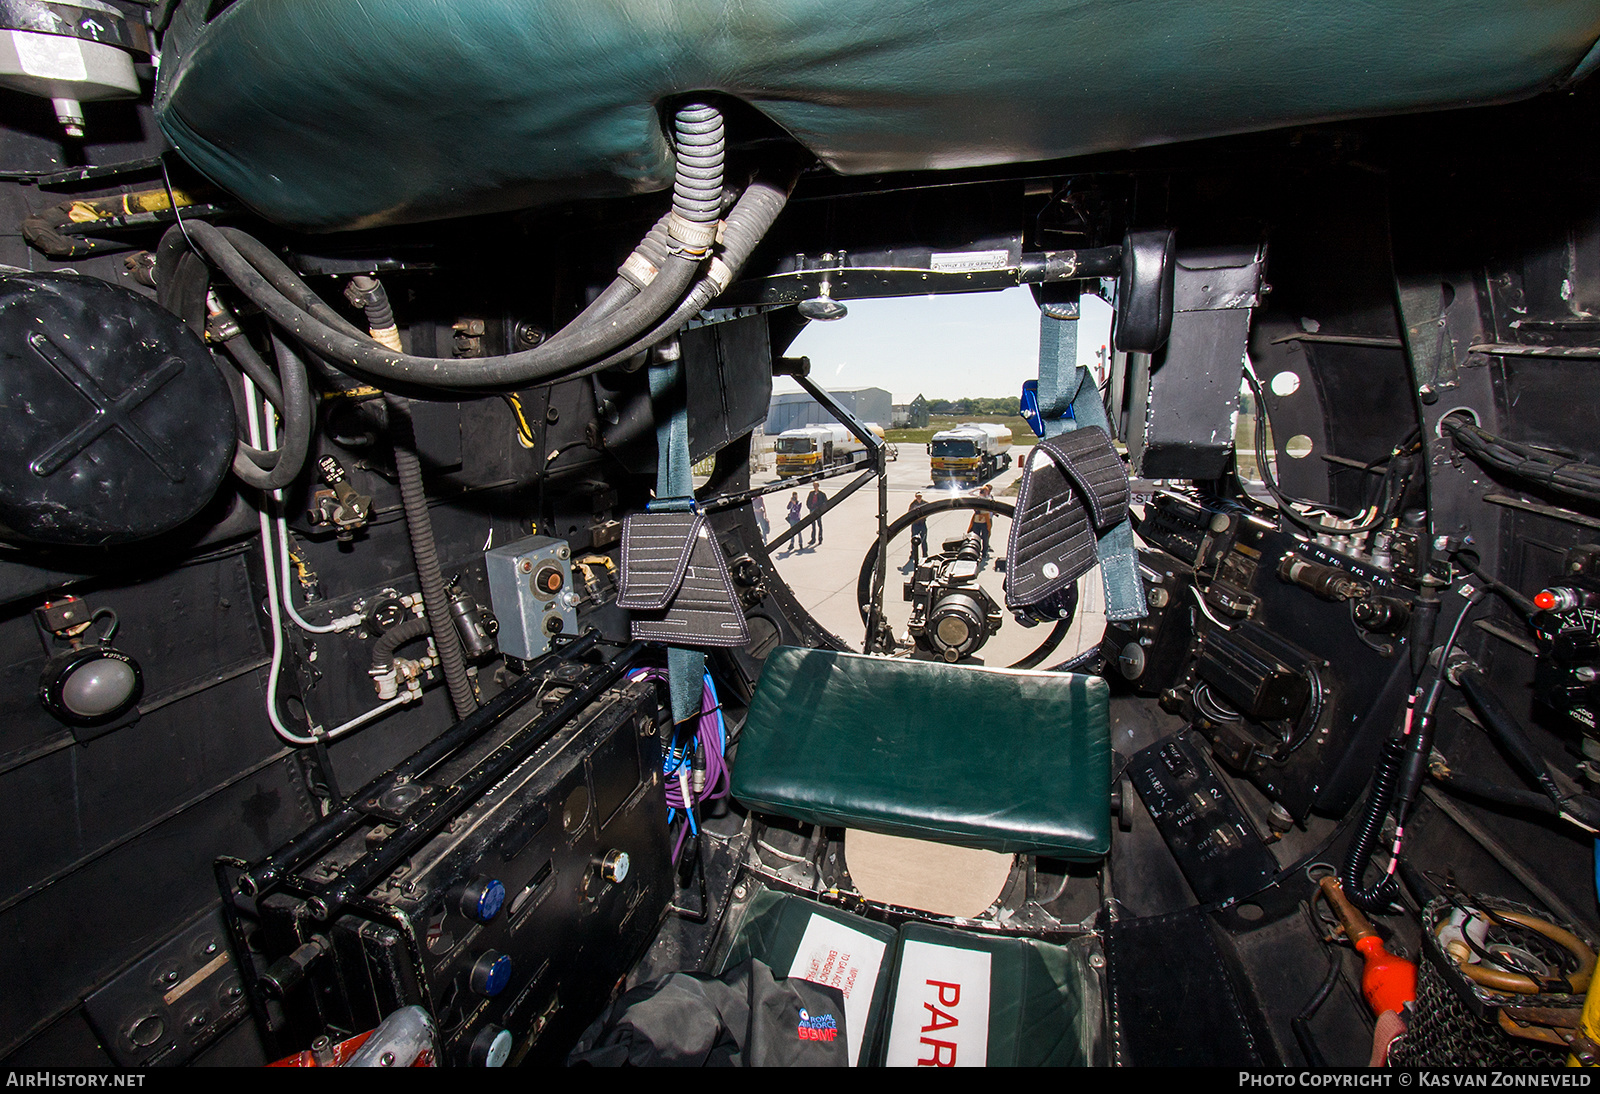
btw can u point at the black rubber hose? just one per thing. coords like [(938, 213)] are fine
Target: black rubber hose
[(697, 201), (361, 354), (753, 214), (690, 132), (182, 281), (169, 252), (299, 414), (1378, 898), (1510, 736), (1484, 790), (374, 299), (419, 524), (1301, 1023), (286, 281), (654, 249), (1424, 620), (1507, 732), (250, 363), (1542, 466), (383, 650)]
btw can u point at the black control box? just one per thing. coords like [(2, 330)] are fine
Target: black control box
[(513, 924), (1218, 851)]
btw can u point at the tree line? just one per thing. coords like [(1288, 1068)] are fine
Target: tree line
[(958, 407)]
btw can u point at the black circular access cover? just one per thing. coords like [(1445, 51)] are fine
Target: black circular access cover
[(115, 424)]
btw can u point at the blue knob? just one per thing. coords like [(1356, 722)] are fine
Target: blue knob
[(490, 973), (481, 899)]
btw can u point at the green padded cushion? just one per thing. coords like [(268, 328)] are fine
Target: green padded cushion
[(1002, 759), (329, 114), (1044, 1000)]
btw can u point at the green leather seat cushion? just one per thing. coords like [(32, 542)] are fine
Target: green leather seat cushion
[(1002, 759)]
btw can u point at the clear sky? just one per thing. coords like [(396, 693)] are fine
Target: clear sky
[(969, 345)]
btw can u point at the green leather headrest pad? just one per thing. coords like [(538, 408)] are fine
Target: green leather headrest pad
[(331, 114), (1002, 759)]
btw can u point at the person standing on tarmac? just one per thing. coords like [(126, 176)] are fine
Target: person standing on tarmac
[(814, 501), (758, 505), (793, 515), (983, 520), (919, 533)]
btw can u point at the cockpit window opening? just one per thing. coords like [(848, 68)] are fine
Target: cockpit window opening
[(1246, 462)]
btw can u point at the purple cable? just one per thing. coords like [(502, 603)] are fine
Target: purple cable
[(709, 736)]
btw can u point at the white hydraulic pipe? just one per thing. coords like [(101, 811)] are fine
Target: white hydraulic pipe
[(252, 419), (343, 623)]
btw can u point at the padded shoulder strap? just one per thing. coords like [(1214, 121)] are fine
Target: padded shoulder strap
[(1092, 464), (1070, 481), (655, 556), (703, 609)]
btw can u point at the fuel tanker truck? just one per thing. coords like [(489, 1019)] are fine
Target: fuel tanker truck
[(809, 448), (969, 454)]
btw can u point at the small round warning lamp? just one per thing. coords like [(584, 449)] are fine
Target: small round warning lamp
[(91, 686), (1545, 601)]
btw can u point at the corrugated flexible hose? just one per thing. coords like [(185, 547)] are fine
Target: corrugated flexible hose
[(452, 659)]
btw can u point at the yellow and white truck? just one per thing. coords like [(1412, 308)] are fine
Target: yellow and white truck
[(810, 448), (969, 454)]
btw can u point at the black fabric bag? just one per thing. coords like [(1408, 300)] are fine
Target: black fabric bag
[(743, 1018)]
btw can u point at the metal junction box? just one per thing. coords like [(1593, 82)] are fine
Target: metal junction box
[(530, 589)]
